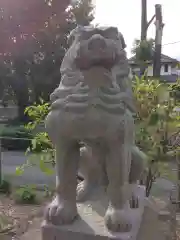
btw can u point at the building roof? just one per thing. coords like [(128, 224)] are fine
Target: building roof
[(164, 59)]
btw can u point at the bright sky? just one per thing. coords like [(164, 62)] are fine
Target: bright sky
[(126, 15)]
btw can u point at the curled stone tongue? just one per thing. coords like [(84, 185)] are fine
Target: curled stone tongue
[(97, 77)]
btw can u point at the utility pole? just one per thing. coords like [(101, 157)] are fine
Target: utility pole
[(144, 23), (158, 41), (143, 20), (144, 27)]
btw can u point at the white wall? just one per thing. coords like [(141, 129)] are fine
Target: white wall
[(150, 71), (175, 70), (178, 72), (163, 72), (171, 70)]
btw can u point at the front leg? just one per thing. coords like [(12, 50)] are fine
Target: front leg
[(63, 209), (117, 168)]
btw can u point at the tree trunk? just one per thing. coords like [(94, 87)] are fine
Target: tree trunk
[(20, 88), (22, 117), (0, 164), (158, 42)]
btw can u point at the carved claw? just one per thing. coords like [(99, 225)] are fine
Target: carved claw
[(59, 213), (117, 220), (134, 201), (83, 190)]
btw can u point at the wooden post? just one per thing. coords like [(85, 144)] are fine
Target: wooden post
[(178, 177), (158, 41), (0, 163), (173, 210), (173, 222)]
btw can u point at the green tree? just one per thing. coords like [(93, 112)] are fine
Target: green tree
[(156, 123), (143, 52), (32, 53), (82, 12)]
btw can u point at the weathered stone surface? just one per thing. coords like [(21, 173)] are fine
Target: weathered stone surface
[(151, 227), (90, 222), (94, 104), (92, 172)]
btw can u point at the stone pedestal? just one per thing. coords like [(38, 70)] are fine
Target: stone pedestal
[(90, 223)]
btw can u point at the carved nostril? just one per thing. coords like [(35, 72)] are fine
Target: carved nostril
[(96, 44)]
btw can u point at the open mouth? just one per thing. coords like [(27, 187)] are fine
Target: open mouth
[(105, 63), (85, 64)]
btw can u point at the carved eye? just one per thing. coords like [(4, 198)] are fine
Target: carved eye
[(85, 35), (111, 33)]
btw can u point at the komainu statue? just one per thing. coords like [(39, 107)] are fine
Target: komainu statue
[(94, 104)]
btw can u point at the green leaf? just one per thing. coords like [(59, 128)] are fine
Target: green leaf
[(34, 143), (44, 168), (19, 171), (33, 159), (154, 118), (171, 153)]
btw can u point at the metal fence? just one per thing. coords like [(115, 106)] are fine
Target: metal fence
[(1, 150), (21, 169), (174, 141), (174, 205)]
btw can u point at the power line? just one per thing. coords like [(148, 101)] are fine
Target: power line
[(170, 43)]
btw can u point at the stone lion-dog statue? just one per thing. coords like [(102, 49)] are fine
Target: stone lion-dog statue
[(93, 104)]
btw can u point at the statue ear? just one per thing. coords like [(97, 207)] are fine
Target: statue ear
[(73, 34), (71, 37), (122, 41)]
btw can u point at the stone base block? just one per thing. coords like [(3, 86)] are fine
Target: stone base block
[(90, 223)]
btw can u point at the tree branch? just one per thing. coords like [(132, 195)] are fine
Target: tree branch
[(148, 24)]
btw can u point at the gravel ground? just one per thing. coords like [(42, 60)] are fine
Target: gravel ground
[(18, 218)]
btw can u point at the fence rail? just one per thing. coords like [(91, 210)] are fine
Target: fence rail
[(12, 138), (173, 142), (8, 138)]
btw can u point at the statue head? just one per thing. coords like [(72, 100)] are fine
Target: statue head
[(97, 46), (94, 54)]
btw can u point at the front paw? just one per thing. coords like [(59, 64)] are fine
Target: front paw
[(134, 201), (117, 220), (83, 190), (60, 213)]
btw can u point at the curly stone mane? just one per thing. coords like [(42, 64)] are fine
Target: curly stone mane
[(77, 66)]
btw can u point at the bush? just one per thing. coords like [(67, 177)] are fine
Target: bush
[(25, 195), (15, 132), (5, 187), (154, 123)]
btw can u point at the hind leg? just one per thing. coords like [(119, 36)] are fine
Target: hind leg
[(91, 162), (63, 209), (85, 169), (136, 171)]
